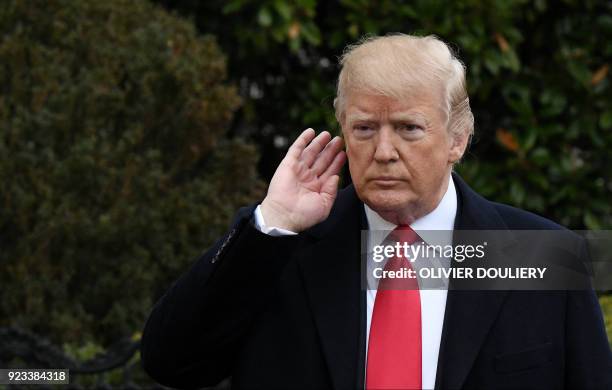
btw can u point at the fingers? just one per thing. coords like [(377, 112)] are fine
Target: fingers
[(330, 186), (316, 146), (335, 166), (326, 157), (324, 154), (296, 149)]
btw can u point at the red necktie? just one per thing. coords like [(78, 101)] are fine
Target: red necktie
[(394, 346)]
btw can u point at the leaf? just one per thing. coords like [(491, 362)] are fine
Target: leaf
[(553, 102), (530, 141), (579, 71), (591, 221), (283, 9), (605, 120), (501, 42), (231, 7), (512, 60), (599, 74), (492, 62), (517, 193), (507, 139), (264, 17), (311, 33), (294, 30)]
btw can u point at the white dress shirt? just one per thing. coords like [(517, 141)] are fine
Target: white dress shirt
[(433, 301)]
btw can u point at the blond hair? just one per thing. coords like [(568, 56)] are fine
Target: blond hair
[(399, 64)]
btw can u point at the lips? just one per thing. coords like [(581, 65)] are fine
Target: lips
[(386, 181), (387, 178)]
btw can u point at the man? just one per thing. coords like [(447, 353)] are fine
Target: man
[(278, 302)]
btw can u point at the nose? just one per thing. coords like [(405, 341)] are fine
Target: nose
[(385, 147)]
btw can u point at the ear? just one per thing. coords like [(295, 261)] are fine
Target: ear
[(458, 145), (340, 119), (345, 140), (339, 115)]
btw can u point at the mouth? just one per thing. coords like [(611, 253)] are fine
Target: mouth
[(386, 181)]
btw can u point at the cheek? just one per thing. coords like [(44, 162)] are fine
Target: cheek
[(437, 151), (357, 166), (359, 156), (421, 155), (425, 161)]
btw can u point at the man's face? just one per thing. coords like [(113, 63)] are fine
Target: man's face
[(400, 153)]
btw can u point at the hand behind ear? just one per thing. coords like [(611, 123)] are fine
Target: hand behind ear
[(304, 186)]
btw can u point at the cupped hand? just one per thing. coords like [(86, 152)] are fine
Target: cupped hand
[(305, 184)]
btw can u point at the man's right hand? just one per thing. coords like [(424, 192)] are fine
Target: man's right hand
[(305, 184)]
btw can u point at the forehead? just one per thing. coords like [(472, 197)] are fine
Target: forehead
[(365, 105)]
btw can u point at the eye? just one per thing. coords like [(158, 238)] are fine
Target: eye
[(363, 130), (410, 131), (362, 127), (410, 127)]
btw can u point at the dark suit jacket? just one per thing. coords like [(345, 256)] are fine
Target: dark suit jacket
[(289, 313)]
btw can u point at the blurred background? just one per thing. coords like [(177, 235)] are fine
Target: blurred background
[(132, 130)]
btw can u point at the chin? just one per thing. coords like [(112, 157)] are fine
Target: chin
[(386, 201)]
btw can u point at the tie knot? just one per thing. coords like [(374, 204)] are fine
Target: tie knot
[(403, 233)]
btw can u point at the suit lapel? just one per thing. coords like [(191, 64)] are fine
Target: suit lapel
[(469, 313), (330, 268)]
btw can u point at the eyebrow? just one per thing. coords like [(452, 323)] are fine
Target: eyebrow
[(408, 115), (358, 115)]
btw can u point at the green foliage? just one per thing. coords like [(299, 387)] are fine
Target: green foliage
[(89, 351), (116, 157), (83, 352), (538, 77), (606, 305), (115, 162)]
